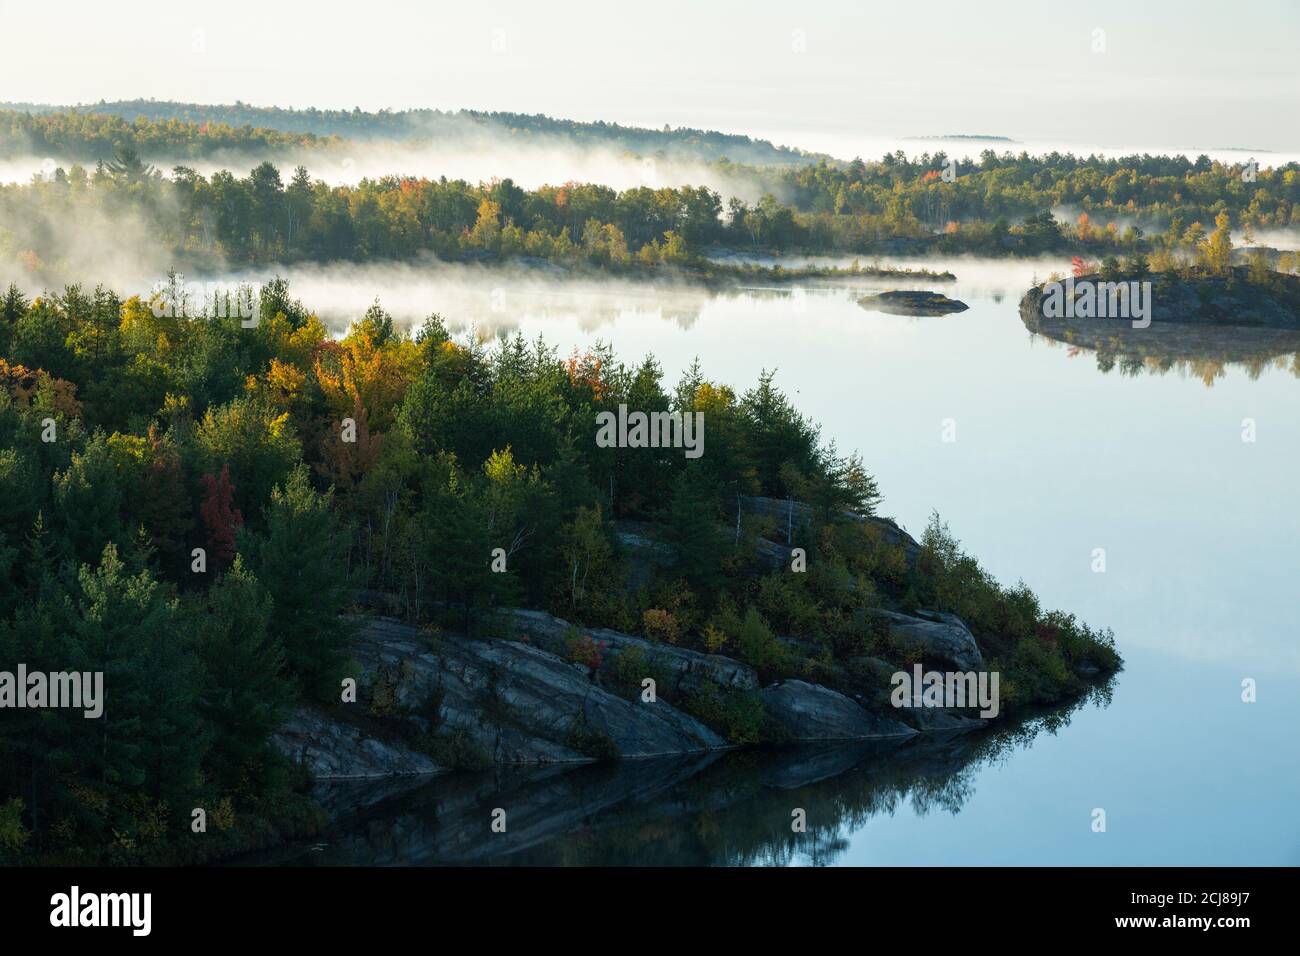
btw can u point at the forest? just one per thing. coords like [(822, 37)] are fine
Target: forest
[(88, 137), (192, 507), (147, 125), (1159, 207)]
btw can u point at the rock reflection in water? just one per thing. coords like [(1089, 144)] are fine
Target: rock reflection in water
[(716, 809)]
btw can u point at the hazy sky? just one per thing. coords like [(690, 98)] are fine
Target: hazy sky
[(825, 75)]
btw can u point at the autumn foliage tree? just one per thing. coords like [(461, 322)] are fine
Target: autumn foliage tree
[(1084, 227), (1216, 250), (220, 517), (347, 456)]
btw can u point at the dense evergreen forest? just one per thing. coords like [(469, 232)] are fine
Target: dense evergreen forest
[(130, 437)]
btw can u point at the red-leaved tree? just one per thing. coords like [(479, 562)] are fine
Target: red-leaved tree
[(220, 516)]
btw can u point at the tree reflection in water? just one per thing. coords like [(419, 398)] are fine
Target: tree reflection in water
[(719, 809)]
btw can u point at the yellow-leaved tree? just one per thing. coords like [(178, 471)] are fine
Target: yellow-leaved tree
[(1216, 250)]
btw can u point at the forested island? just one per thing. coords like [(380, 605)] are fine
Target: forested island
[(232, 520), (1199, 317)]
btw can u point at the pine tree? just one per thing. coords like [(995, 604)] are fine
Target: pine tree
[(13, 306), (693, 528), (244, 688), (164, 504), (146, 741), (302, 561)]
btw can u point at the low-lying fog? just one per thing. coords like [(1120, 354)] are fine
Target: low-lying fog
[(529, 164), (496, 299), (971, 145), (537, 162)]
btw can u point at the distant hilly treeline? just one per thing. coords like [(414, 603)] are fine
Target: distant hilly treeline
[(239, 125), (88, 137)]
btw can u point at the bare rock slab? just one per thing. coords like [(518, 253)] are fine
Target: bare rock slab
[(811, 712)]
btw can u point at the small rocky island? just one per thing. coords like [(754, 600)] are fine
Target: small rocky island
[(1236, 297), (1198, 322), (912, 303)]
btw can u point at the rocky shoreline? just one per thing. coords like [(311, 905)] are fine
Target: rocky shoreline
[(519, 701), (429, 702)]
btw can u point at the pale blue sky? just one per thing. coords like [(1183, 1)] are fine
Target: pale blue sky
[(1184, 74)]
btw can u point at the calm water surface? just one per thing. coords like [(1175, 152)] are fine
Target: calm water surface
[(1054, 458)]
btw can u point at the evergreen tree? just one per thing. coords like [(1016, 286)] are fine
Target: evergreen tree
[(164, 506), (244, 690), (302, 560), (146, 741), (12, 307), (694, 529)]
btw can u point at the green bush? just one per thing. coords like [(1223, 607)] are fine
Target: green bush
[(592, 741), (736, 714), (13, 835)]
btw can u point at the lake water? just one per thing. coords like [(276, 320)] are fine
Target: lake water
[(1053, 458)]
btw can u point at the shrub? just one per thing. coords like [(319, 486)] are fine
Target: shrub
[(592, 741), (756, 645), (660, 625), (737, 714), (714, 639), (13, 835), (582, 649), (454, 748), (383, 694)]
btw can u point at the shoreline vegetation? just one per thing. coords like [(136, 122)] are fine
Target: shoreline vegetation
[(1159, 208), (351, 499)]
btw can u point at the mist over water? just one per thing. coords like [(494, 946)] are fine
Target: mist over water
[(498, 300), (1104, 453), (1167, 451), (1054, 457)]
